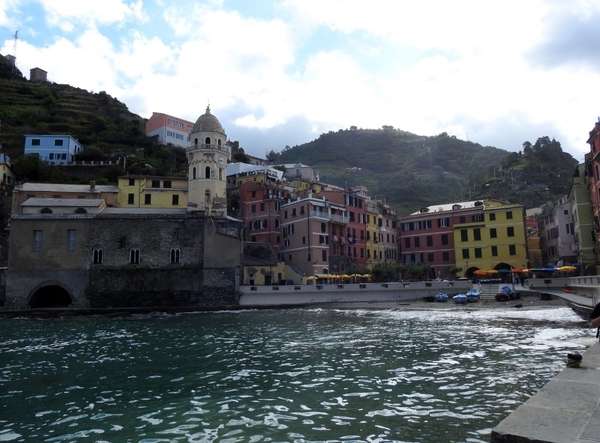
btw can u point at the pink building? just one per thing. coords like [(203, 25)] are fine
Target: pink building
[(169, 129), (312, 231)]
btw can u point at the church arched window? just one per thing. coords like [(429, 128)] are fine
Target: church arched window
[(196, 141), (97, 256), (194, 173), (175, 255), (207, 172), (219, 142), (134, 256), (207, 142), (220, 174)]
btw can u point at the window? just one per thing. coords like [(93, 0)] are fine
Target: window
[(407, 242), (130, 199), (464, 235), (58, 142), (443, 223), (417, 242), (465, 253), (71, 238), (262, 207), (462, 219), (493, 233), (46, 211), (252, 208), (445, 256), (510, 231), (80, 211), (132, 182), (477, 234), (509, 215), (444, 239), (478, 253), (134, 256), (512, 250), (97, 256), (492, 216), (175, 255), (429, 240), (175, 200), (147, 199), (35, 142), (430, 257), (494, 251), (156, 183), (38, 237), (324, 255)]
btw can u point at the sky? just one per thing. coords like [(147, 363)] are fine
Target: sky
[(282, 72)]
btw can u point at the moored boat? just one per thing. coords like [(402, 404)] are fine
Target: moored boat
[(460, 298), (440, 296)]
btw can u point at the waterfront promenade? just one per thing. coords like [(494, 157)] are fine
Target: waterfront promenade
[(567, 408)]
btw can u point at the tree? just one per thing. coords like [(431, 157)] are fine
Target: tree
[(30, 167)]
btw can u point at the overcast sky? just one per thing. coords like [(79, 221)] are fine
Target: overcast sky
[(281, 72)]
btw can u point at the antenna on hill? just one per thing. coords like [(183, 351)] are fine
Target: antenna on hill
[(16, 36)]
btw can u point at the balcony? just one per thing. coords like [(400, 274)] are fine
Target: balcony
[(326, 216)]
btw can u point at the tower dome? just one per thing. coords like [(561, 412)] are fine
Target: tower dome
[(208, 122)]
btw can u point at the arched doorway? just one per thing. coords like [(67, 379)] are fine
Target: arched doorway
[(51, 296)]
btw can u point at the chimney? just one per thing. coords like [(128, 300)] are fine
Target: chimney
[(92, 186)]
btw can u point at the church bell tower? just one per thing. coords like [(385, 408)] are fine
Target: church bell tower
[(207, 157)]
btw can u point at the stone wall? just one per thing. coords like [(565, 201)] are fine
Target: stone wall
[(199, 276)]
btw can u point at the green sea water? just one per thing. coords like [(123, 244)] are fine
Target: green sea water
[(278, 376)]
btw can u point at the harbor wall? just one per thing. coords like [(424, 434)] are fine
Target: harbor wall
[(565, 410), (333, 293)]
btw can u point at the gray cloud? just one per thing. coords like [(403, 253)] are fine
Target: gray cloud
[(570, 40)]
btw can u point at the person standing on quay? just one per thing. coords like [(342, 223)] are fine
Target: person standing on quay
[(595, 318)]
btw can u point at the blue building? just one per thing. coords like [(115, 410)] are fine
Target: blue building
[(55, 149)]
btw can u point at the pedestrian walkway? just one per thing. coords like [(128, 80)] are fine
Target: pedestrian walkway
[(488, 292), (565, 410)]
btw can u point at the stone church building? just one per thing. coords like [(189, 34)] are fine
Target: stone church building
[(81, 253)]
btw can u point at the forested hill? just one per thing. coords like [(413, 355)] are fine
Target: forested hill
[(411, 171), (408, 170)]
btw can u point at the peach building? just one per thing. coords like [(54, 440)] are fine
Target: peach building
[(169, 129)]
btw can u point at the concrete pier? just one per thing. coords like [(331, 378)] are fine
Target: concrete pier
[(565, 410)]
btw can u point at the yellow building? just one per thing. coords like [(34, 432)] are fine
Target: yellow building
[(490, 236), (141, 191)]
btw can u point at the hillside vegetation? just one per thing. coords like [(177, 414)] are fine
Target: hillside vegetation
[(409, 171)]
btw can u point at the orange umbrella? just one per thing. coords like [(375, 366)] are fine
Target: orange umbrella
[(480, 272)]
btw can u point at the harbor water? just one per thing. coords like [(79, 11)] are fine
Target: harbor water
[(306, 375)]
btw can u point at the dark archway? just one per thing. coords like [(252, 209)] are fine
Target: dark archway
[(52, 296)]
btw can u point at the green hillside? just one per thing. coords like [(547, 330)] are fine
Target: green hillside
[(411, 171)]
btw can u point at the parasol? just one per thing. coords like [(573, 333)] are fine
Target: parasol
[(480, 272)]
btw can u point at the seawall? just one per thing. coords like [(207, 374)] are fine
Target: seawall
[(565, 410)]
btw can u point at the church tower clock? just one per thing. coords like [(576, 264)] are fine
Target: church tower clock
[(207, 157)]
